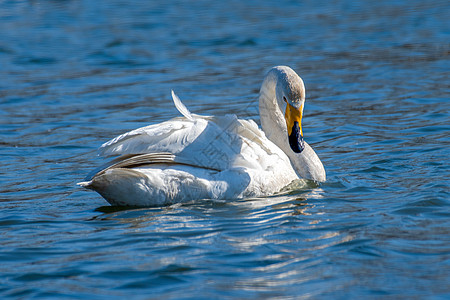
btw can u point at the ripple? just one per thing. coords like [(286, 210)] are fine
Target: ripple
[(377, 112)]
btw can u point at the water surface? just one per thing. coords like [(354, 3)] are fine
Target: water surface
[(77, 73)]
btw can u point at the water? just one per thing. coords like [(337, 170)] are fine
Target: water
[(76, 73)]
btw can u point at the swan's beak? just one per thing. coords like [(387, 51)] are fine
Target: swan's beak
[(294, 126)]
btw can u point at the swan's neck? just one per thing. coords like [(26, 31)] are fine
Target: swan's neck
[(306, 164), (272, 118)]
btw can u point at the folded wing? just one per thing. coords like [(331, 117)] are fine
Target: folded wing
[(214, 143)]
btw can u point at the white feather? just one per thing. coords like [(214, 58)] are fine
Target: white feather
[(181, 107)]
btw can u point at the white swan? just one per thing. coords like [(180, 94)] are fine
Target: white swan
[(206, 157)]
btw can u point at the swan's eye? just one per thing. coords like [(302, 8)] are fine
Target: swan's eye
[(284, 98)]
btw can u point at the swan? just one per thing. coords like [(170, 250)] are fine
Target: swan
[(212, 157)]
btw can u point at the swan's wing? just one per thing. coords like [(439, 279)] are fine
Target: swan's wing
[(216, 143), (208, 142), (138, 160), (171, 136)]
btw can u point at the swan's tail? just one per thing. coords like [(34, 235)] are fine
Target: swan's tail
[(181, 107)]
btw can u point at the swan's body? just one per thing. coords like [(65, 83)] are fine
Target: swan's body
[(203, 157)]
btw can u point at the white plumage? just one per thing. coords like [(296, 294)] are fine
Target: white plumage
[(207, 157)]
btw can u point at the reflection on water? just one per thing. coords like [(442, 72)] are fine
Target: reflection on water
[(77, 73)]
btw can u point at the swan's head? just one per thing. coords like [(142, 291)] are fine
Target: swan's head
[(290, 96)]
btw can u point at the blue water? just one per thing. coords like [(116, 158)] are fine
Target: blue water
[(76, 73)]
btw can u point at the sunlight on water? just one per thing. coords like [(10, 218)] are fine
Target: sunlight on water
[(78, 73)]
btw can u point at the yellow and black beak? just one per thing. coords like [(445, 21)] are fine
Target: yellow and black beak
[(294, 126)]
